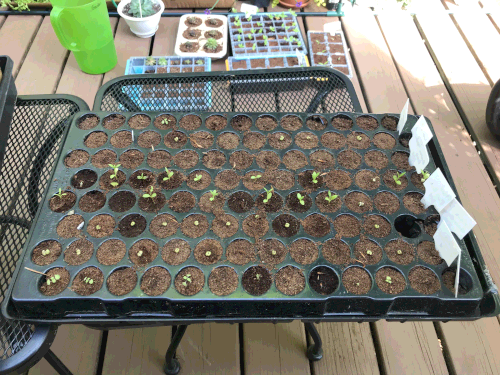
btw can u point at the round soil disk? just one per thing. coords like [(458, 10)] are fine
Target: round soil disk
[(367, 180), (82, 282), (430, 224), (152, 204), (122, 201), (114, 121), (416, 180), (241, 160), (202, 139), (194, 181), (255, 225), (347, 225), (377, 226), (367, 251), (165, 122), (342, 122), (254, 140), (386, 202), (194, 226), (266, 123), (83, 179), (241, 123), (349, 159), (182, 201), (172, 182), (103, 158), (390, 280), (316, 225), (384, 141), (367, 122), (376, 160), (223, 281), (316, 123), (337, 180), (400, 252), (322, 159), (295, 160), (390, 122), (306, 140), (57, 287), (208, 251), (358, 140), (412, 202), (390, 182), (357, 280), (286, 225), (268, 160), (256, 285), (139, 121), (212, 159), (279, 140), (240, 202), (68, 226), (358, 202), (62, 203), (132, 225), (281, 179), (131, 159), (141, 179), (400, 160), (240, 252), (175, 139), (163, 226), (121, 139), (149, 138), (186, 159), (76, 158), (428, 253), (215, 122), (105, 181), (290, 280), (190, 122), (306, 180), (227, 180), (294, 203), (333, 140), (101, 226), (325, 205), (323, 280), (213, 22), (87, 122), (155, 281), (122, 281), (228, 140), (221, 228), (176, 252), (272, 251), (78, 252), (92, 201), (304, 251), (189, 281), (274, 204), (111, 252), (143, 252), (215, 206), (336, 251), (54, 248), (254, 180), (423, 280), (291, 123)]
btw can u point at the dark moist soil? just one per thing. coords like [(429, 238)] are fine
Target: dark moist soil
[(57, 287), (170, 125), (191, 34), (390, 122), (304, 251), (173, 182), (337, 180), (268, 160), (215, 122), (347, 225), (103, 158), (416, 180), (105, 222), (281, 228), (240, 202), (92, 201), (111, 252), (390, 280), (42, 260), (215, 206), (400, 160), (413, 204), (140, 183), (384, 141), (193, 283), (96, 139), (281, 179), (159, 159), (423, 280), (240, 252), (67, 227), (295, 160), (221, 228), (367, 122), (342, 122), (428, 253), (227, 180), (152, 204), (139, 121), (316, 225), (254, 140), (83, 288), (256, 225), (272, 251), (228, 140), (149, 250), (359, 202), (128, 230), (186, 159), (155, 281), (291, 123), (336, 251), (290, 280), (376, 159), (87, 122), (122, 281), (175, 252), (241, 123), (430, 224), (323, 280), (182, 201), (407, 251), (77, 158), (131, 159), (149, 138), (190, 122), (367, 251), (266, 123), (306, 140), (349, 159), (274, 204), (333, 140), (404, 139), (391, 183), (113, 122), (322, 159), (105, 180), (357, 280), (386, 202), (293, 202), (316, 123), (175, 139), (121, 139), (78, 252), (325, 205), (254, 184), (213, 22), (358, 140), (367, 180), (193, 21), (163, 226), (377, 226), (191, 229), (223, 281), (63, 203), (306, 180), (208, 251), (448, 279), (256, 285)]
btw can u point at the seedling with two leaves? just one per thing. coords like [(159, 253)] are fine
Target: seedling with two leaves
[(115, 174), (214, 194), (187, 279), (169, 174), (269, 194), (397, 177), (151, 193), (315, 176), (60, 194), (53, 279), (301, 197), (331, 197)]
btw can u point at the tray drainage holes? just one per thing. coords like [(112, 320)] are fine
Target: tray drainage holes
[(323, 280), (408, 226), (84, 179), (404, 139), (464, 280)]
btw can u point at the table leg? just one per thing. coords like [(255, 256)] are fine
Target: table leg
[(172, 366), (314, 351)]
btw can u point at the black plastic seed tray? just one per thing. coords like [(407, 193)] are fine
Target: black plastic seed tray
[(8, 95), (338, 299)]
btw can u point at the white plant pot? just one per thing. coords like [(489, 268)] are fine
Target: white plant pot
[(142, 27)]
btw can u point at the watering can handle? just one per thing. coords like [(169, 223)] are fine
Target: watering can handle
[(55, 20)]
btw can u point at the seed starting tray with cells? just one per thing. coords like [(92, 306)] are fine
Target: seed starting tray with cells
[(131, 251), (265, 63), (326, 47)]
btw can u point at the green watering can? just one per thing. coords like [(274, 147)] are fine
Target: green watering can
[(83, 27)]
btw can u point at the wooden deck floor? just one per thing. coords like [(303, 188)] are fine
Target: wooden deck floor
[(446, 65)]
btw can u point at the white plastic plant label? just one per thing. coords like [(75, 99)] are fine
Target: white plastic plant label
[(403, 117), (457, 218), (332, 27), (438, 192), (446, 244), (300, 57), (421, 135), (249, 9)]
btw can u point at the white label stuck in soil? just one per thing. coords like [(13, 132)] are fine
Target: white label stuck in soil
[(438, 192), (403, 116), (446, 244), (457, 218), (249, 9), (332, 27), (421, 135)]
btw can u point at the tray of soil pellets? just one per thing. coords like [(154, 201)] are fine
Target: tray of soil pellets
[(234, 215)]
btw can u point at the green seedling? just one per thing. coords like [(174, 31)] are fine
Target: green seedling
[(359, 138), (361, 204), (142, 177), (257, 276), (264, 37), (331, 197), (399, 252), (132, 223), (237, 18), (260, 31), (249, 36), (196, 223), (139, 253), (150, 61), (317, 41), (254, 47), (256, 177), (164, 223), (296, 30), (397, 177), (233, 10), (176, 250), (53, 279), (369, 252), (197, 178), (211, 44), (286, 28), (45, 252), (271, 16), (252, 31), (187, 279), (315, 176), (208, 253), (259, 24), (237, 23), (239, 38), (115, 170), (287, 225), (320, 3), (273, 252), (165, 121), (248, 16), (299, 43), (377, 226), (176, 139), (266, 43), (88, 280), (78, 251), (150, 194), (257, 216), (425, 176), (285, 38), (162, 61), (269, 194), (324, 51), (60, 194), (241, 45), (169, 174), (240, 30), (283, 15), (114, 184), (292, 13), (388, 279), (282, 137), (323, 63), (272, 28), (188, 62), (98, 227), (214, 194), (301, 197)]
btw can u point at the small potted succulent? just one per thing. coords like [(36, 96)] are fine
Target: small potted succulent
[(142, 16)]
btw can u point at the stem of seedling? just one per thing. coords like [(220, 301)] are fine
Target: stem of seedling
[(301, 197), (142, 177), (315, 176), (257, 276), (268, 195), (330, 197), (187, 278), (60, 194), (397, 176), (425, 176), (169, 174), (214, 194), (151, 194)]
